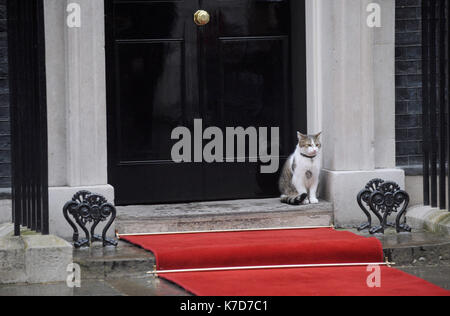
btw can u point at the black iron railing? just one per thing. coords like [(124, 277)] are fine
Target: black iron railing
[(28, 115), (435, 91)]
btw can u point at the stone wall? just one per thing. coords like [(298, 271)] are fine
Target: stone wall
[(5, 143), (408, 67)]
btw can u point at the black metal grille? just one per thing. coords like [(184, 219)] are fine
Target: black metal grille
[(435, 72), (28, 115)]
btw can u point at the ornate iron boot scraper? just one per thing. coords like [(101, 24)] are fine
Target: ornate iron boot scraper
[(86, 207), (383, 198)]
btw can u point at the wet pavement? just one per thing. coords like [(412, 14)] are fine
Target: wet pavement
[(126, 286), (393, 240)]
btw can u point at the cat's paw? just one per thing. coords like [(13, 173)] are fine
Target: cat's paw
[(313, 200), (306, 201)]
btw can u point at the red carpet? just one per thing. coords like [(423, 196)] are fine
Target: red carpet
[(280, 247), (336, 281), (302, 246)]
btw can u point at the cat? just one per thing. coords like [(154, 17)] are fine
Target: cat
[(299, 178)]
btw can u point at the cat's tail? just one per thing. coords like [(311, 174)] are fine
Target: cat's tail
[(293, 200)]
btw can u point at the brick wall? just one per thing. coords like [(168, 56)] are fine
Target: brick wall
[(5, 143), (408, 83)]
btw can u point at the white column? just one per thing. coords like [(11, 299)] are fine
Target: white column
[(351, 92), (314, 64), (56, 95), (384, 59), (76, 88), (347, 74), (86, 97)]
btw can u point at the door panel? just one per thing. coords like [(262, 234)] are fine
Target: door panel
[(254, 82), (156, 102), (163, 71), (237, 18), (150, 19), (246, 66)]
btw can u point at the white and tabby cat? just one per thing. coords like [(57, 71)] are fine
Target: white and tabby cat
[(299, 179)]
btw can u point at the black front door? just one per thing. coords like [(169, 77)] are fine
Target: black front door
[(164, 71)]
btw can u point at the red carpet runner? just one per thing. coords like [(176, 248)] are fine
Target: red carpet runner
[(279, 247)]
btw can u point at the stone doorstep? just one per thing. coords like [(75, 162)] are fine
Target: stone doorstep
[(429, 219), (239, 214), (110, 262), (6, 229), (5, 210), (34, 259)]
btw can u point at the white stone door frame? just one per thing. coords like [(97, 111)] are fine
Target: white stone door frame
[(351, 97), (76, 89), (336, 33), (314, 67)]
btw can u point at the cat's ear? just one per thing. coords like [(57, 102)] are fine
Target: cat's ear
[(300, 136), (317, 137)]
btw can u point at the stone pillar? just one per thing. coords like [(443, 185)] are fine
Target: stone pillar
[(76, 90), (351, 78)]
